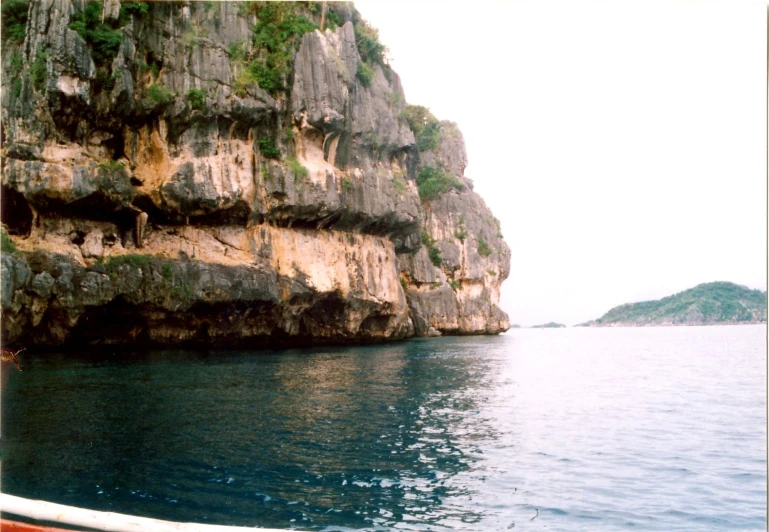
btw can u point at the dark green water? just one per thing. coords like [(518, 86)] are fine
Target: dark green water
[(305, 438), (548, 429)]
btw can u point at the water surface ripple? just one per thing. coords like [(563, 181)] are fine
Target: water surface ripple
[(565, 429)]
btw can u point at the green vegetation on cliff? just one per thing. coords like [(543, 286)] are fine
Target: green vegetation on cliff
[(424, 125), (433, 252), (708, 303), (277, 35), (197, 99), (103, 39), (147, 147), (14, 20), (6, 245), (432, 182), (370, 49)]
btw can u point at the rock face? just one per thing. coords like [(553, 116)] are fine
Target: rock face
[(455, 290), (156, 194)]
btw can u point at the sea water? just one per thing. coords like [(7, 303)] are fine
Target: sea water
[(537, 429)]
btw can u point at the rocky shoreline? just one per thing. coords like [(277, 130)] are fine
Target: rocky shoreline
[(161, 196)]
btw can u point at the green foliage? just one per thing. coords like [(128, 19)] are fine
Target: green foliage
[(715, 302), (167, 272), (112, 165), (333, 19), (426, 128), (265, 173), (110, 84), (193, 33), (268, 149), (365, 74), (103, 39), (435, 256), (197, 99), (399, 184), (153, 68), (453, 284), (244, 77), (346, 184), (131, 260), (483, 248), (14, 20), (18, 84), (6, 244), (499, 227), (491, 272), (430, 138), (17, 64), (370, 49), (38, 70), (367, 40), (104, 80), (395, 98), (277, 35), (16, 67), (461, 232), (296, 167), (289, 133), (238, 51), (432, 182), (132, 9), (160, 94), (404, 285), (433, 252)]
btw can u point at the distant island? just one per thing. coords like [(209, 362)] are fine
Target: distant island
[(551, 325), (705, 304)]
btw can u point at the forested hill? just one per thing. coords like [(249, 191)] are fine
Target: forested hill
[(705, 304)]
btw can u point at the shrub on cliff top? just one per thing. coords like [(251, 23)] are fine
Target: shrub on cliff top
[(370, 49), (367, 40), (14, 13)]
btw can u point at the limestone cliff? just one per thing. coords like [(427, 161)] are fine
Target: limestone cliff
[(172, 173)]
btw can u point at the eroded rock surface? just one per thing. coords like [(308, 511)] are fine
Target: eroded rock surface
[(159, 195)]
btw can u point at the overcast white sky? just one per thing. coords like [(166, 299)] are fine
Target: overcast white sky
[(622, 145)]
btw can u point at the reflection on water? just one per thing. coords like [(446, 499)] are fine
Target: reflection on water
[(359, 437), (561, 429)]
